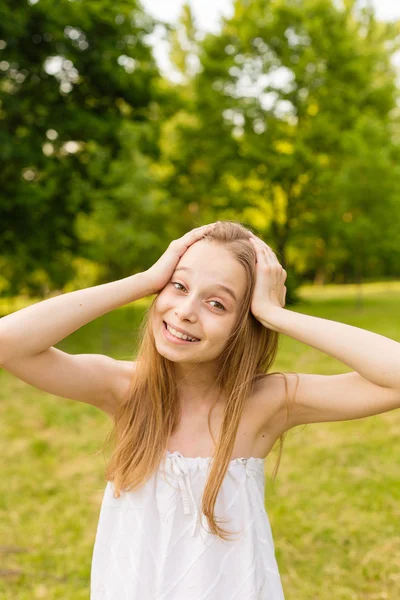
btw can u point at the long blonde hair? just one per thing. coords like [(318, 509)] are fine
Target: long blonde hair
[(150, 412)]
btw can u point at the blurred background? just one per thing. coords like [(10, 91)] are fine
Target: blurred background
[(122, 126)]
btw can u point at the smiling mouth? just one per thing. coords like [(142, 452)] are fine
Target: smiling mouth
[(178, 338)]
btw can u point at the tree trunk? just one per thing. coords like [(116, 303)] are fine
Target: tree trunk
[(358, 280), (319, 277)]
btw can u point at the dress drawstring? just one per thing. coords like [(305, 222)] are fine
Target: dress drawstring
[(180, 469)]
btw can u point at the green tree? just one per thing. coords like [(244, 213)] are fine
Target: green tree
[(367, 193), (72, 74), (281, 89)]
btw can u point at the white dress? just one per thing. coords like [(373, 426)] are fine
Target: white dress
[(153, 544)]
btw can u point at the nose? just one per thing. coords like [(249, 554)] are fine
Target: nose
[(186, 310)]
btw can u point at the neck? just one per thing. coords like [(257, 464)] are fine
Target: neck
[(197, 390)]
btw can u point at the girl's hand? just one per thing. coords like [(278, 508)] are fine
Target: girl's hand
[(269, 289), (161, 272)]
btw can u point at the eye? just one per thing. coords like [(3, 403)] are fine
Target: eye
[(182, 286), (222, 307), (176, 283)]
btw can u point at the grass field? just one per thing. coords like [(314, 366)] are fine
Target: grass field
[(334, 507)]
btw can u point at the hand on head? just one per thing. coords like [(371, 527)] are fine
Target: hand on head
[(160, 273), (269, 289)]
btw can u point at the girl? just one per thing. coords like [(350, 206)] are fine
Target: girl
[(197, 412)]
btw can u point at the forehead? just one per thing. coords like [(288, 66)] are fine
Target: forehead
[(212, 264)]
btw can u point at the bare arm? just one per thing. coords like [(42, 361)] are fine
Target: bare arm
[(34, 329), (375, 357), (372, 388), (27, 337), (374, 385)]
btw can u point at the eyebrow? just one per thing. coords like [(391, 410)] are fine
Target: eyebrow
[(217, 285)]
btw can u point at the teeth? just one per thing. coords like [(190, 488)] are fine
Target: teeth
[(180, 335)]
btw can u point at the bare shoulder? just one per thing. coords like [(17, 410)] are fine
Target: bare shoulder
[(273, 402)]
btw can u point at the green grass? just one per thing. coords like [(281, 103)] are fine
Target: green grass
[(334, 507)]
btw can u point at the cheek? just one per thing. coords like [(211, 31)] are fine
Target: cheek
[(219, 329), (161, 301)]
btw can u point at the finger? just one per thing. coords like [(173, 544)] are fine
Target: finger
[(199, 231), (271, 254), (209, 227), (196, 234), (269, 250), (257, 248), (263, 253), (264, 245), (270, 257), (202, 228)]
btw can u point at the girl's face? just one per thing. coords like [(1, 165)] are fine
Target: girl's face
[(195, 301)]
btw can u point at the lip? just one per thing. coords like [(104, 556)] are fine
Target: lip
[(172, 338)]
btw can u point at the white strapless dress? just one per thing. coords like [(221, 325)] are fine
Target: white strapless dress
[(153, 543)]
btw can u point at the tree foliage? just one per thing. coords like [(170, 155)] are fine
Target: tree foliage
[(289, 99), (72, 76), (285, 119)]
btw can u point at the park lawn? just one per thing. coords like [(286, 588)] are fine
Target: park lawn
[(334, 507)]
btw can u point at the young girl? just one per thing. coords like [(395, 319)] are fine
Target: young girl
[(197, 412)]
